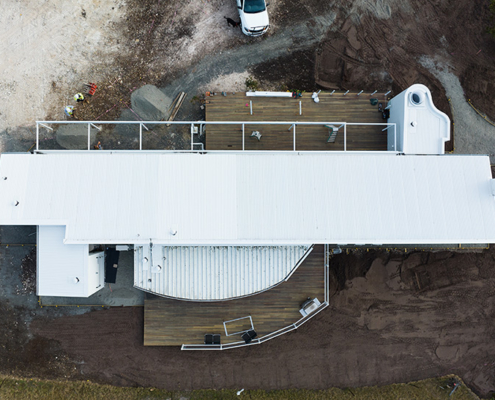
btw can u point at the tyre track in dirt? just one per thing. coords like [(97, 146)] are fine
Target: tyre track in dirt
[(284, 42)]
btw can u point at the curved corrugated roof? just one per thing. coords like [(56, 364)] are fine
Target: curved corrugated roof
[(209, 273)]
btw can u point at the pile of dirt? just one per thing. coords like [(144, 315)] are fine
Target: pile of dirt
[(371, 49), (150, 104), (291, 72), (478, 82)]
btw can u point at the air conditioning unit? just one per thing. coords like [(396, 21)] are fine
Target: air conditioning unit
[(309, 306)]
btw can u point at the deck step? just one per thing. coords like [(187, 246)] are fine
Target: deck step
[(332, 134)]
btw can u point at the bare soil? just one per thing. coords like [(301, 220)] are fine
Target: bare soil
[(28, 266), (393, 317), (381, 51)]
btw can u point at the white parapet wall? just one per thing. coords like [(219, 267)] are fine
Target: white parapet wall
[(269, 94), (421, 127), (66, 270)]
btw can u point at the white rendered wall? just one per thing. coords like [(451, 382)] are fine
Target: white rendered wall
[(421, 128), (96, 272), (59, 264)]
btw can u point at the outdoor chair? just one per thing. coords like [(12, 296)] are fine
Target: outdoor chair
[(208, 338), (246, 337), (252, 333), (216, 339)]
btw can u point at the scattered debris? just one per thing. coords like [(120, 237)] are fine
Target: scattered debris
[(28, 266)]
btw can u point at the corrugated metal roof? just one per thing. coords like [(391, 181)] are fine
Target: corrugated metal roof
[(251, 198), (213, 272)]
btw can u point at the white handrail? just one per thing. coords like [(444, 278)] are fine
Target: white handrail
[(292, 125)]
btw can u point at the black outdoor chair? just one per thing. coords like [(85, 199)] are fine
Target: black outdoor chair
[(208, 338), (216, 339), (252, 333), (246, 337)]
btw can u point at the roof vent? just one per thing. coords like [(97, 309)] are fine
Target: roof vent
[(417, 98)]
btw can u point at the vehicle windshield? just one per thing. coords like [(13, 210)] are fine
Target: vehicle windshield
[(254, 6)]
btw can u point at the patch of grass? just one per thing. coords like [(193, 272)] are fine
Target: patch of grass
[(196, 99), (251, 83), (491, 6), (437, 388)]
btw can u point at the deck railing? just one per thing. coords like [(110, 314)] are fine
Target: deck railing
[(200, 128), (260, 340)]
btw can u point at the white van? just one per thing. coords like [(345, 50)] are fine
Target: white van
[(254, 17)]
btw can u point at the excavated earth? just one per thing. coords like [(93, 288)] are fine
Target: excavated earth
[(393, 317)]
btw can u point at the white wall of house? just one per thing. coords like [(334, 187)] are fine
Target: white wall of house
[(66, 270), (421, 127)]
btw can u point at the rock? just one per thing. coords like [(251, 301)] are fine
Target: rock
[(75, 136), (150, 103)]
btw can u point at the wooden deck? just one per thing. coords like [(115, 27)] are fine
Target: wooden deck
[(170, 322), (331, 108)]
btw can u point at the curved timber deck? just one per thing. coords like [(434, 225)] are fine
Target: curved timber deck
[(169, 322)]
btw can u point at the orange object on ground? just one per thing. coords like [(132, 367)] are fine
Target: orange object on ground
[(91, 88)]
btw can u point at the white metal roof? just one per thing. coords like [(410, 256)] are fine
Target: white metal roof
[(59, 265), (213, 272), (251, 198), (421, 128)]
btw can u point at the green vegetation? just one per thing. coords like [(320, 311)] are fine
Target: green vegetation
[(251, 83), (491, 30), (437, 388)]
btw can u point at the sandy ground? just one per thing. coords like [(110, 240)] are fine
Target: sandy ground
[(47, 46), (473, 134)]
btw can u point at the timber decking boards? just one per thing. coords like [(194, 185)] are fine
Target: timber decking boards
[(331, 108), (170, 322)]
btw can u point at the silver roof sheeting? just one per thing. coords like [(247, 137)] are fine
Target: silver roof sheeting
[(209, 273)]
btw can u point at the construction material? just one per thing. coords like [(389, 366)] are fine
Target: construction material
[(175, 102), (150, 103), (180, 100), (91, 88)]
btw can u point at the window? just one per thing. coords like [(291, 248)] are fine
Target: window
[(254, 6)]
